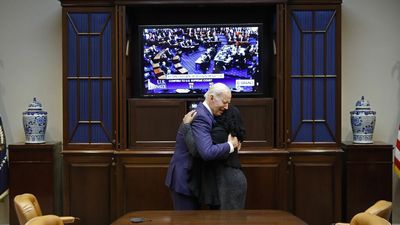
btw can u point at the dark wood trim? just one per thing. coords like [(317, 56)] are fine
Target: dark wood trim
[(313, 2), (338, 74), (288, 84), (88, 152), (280, 77), (86, 3), (86, 146), (195, 2), (77, 3), (144, 152), (121, 120), (64, 72), (114, 69)]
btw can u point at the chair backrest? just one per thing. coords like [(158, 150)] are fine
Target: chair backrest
[(381, 208), (26, 207), (45, 220), (365, 218)]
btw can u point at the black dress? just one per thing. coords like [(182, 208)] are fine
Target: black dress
[(221, 184)]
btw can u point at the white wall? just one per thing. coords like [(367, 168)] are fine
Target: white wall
[(371, 63), (31, 65)]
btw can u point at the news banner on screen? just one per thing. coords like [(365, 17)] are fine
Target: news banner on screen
[(185, 59)]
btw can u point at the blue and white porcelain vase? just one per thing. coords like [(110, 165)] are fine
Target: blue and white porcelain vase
[(35, 123), (363, 122)]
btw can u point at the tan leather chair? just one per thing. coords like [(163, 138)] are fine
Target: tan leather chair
[(27, 207), (365, 218), (45, 220), (381, 209)]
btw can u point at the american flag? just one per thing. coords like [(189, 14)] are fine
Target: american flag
[(397, 155), (3, 163)]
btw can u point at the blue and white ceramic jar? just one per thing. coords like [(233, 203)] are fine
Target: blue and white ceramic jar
[(35, 123), (363, 122)]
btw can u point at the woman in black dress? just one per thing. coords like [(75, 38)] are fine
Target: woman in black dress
[(220, 184), (231, 181)]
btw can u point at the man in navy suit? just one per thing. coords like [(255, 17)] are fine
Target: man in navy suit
[(217, 99)]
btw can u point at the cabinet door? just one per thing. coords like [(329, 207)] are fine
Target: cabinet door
[(35, 169), (313, 75), (88, 187), (88, 77), (140, 180), (316, 186)]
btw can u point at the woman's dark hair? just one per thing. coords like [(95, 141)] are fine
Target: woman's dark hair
[(232, 123)]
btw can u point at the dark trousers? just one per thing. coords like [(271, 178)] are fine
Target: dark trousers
[(184, 202)]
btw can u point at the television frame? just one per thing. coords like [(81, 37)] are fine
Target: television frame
[(261, 53)]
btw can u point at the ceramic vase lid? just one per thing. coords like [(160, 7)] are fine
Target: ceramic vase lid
[(35, 105), (362, 104)]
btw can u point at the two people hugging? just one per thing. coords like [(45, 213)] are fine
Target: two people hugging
[(205, 168)]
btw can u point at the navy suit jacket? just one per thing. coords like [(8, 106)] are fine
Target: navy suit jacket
[(181, 162)]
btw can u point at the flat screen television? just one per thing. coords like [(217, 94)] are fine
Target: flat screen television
[(184, 60)]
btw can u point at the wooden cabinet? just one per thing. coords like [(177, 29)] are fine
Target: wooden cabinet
[(118, 144), (312, 114), (367, 176), (135, 181), (36, 169)]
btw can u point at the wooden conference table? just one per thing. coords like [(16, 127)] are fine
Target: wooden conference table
[(208, 217)]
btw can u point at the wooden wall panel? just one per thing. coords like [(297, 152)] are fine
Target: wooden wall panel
[(88, 185), (140, 183), (266, 180), (154, 122), (257, 114), (316, 186)]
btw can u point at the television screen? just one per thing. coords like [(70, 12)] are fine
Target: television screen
[(186, 59)]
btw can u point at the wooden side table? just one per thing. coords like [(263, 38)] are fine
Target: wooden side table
[(367, 176), (36, 169)]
